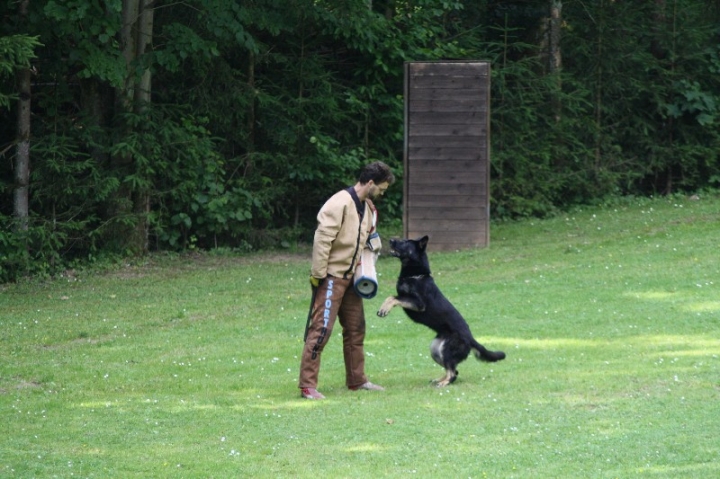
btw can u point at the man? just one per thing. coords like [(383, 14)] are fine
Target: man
[(344, 223)]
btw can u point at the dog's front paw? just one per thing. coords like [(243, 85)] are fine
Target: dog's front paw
[(387, 305)]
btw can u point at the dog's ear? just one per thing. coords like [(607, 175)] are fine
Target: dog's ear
[(423, 242)]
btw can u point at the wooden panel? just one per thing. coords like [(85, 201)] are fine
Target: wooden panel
[(448, 229), (448, 190), (455, 141), (448, 118), (448, 105), (454, 155), (447, 130), (421, 180), (447, 94), (452, 82), (447, 153), (454, 201), (429, 163), (434, 211), (449, 69)]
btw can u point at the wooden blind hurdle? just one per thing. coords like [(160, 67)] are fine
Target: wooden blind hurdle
[(447, 153)]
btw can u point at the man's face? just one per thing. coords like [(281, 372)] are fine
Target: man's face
[(378, 190)]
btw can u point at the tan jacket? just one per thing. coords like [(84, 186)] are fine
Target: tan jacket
[(339, 237)]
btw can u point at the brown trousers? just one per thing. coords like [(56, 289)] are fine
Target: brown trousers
[(335, 298)]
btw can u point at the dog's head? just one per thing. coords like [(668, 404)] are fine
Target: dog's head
[(409, 250)]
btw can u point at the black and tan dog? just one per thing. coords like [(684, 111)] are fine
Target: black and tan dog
[(423, 302)]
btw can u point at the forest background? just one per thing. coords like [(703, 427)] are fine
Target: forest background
[(135, 125)]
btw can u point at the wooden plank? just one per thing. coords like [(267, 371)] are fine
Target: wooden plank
[(421, 179), (476, 142), (448, 118), (444, 201), (435, 212), (442, 209), (447, 130), (469, 69), (447, 94), (447, 152), (459, 189), (445, 233), (442, 154), (469, 166), (420, 200), (472, 139), (448, 83), (455, 82), (467, 104), (427, 186)]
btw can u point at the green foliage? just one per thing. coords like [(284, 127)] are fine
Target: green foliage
[(183, 42), (16, 51), (702, 106), (89, 30), (36, 251), (191, 193), (646, 108)]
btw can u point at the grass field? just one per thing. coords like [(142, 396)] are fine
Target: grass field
[(187, 367)]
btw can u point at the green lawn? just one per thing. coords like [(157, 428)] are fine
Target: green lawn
[(187, 367)]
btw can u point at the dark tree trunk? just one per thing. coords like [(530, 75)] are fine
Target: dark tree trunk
[(131, 206), (21, 199)]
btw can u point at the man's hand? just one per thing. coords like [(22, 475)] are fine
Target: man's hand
[(315, 282)]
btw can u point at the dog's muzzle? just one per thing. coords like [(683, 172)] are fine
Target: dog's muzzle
[(393, 251)]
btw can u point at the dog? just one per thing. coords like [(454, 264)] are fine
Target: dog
[(423, 302)]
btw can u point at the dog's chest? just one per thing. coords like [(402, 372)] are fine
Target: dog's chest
[(413, 286), (406, 287)]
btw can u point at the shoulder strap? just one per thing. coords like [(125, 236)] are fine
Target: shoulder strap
[(374, 212)]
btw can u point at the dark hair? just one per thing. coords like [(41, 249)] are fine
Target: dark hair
[(378, 172)]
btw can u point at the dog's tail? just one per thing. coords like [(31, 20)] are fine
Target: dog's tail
[(484, 354)]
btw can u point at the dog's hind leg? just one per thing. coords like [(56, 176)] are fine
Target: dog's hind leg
[(450, 377), (444, 359), (436, 350)]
